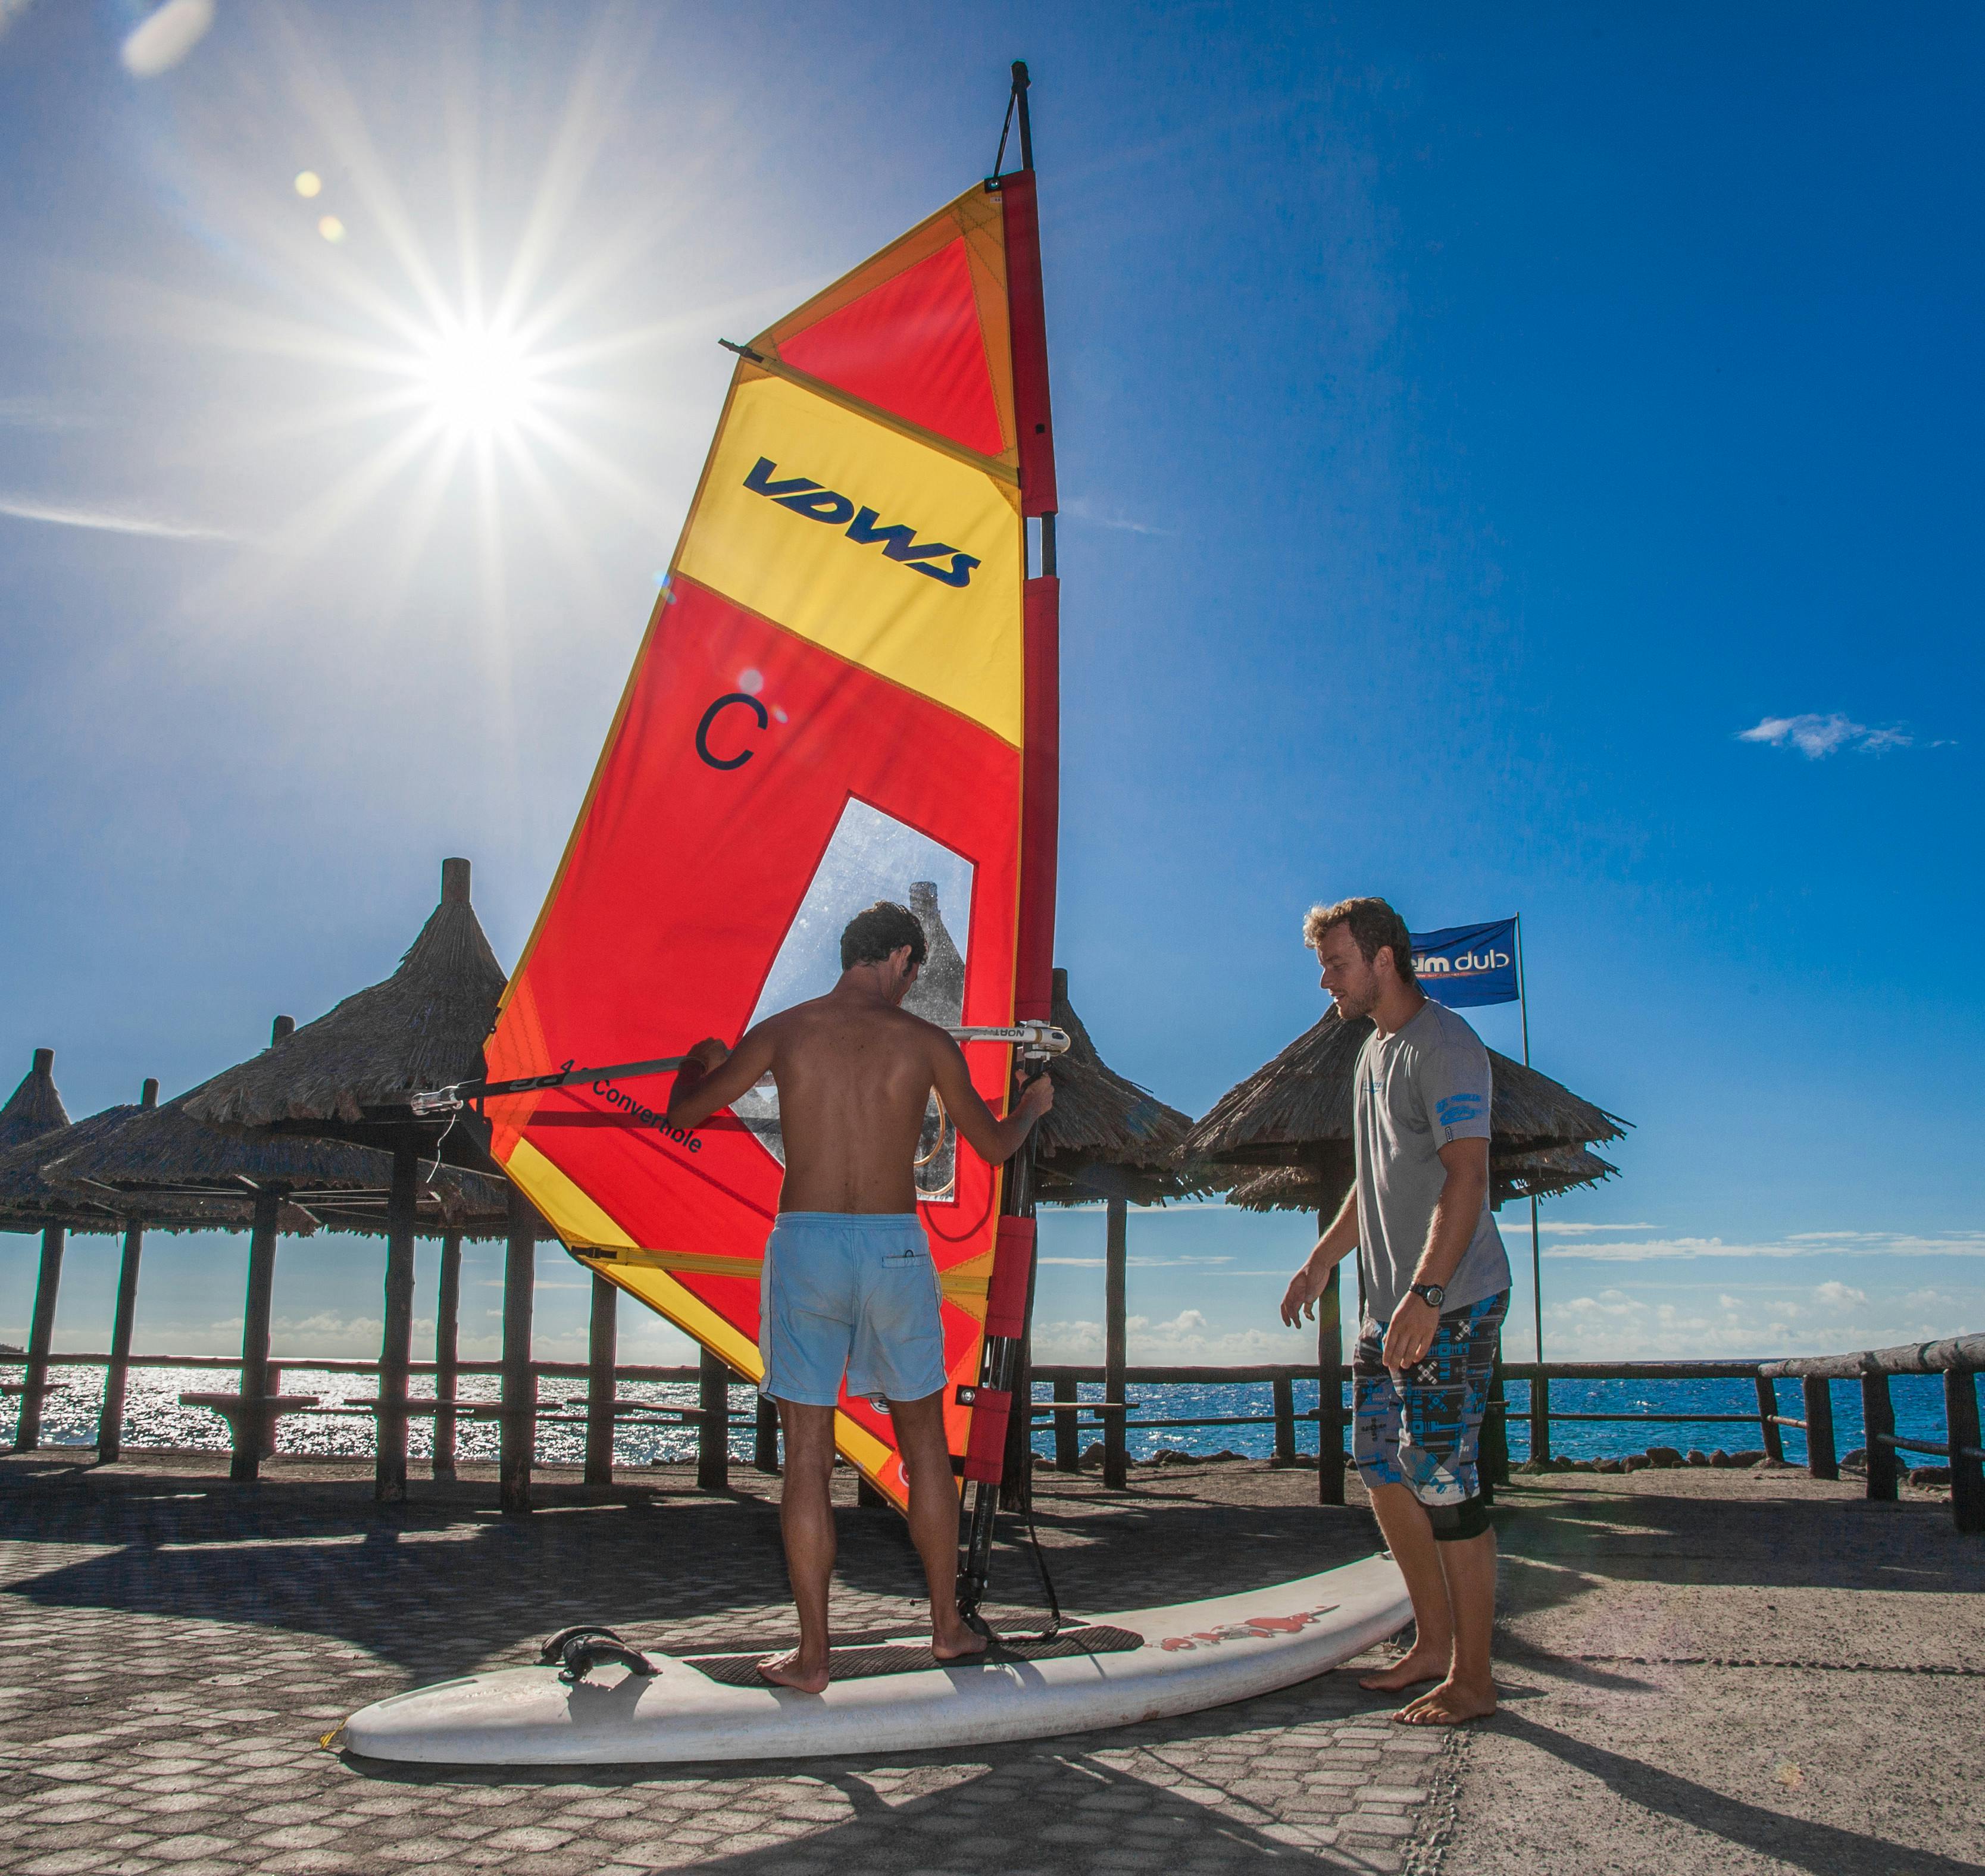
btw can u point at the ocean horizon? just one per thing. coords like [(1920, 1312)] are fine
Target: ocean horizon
[(154, 1418)]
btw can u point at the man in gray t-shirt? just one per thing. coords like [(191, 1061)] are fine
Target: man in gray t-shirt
[(1420, 1089), (1436, 1284)]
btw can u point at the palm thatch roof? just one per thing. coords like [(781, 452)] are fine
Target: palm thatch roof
[(30, 1200), (1106, 1137), (423, 1027), (1287, 1110), (34, 1107), (146, 1156), (1539, 1174)]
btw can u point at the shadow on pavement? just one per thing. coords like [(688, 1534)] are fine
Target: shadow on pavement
[(1820, 1848)]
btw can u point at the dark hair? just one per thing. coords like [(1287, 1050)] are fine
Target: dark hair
[(1373, 923), (886, 927)]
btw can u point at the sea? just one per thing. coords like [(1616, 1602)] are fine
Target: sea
[(1236, 1417)]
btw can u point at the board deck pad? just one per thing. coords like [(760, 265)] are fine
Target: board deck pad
[(870, 1662)]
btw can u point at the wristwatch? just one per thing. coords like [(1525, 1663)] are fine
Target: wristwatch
[(1431, 1294)]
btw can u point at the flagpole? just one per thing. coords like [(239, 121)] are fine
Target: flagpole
[(1537, 1255)]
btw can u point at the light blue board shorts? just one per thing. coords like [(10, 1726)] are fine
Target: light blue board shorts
[(853, 1293)]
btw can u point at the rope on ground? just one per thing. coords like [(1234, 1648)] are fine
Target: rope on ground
[(1440, 1811), (1819, 1667)]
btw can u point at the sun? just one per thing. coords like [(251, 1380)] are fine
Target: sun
[(479, 381)]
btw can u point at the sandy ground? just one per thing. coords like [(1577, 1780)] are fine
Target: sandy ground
[(1733, 1672)]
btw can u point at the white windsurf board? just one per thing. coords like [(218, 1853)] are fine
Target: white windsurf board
[(1190, 1656)]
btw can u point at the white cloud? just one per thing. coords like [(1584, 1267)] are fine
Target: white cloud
[(1084, 510), (22, 508), (1814, 736), (1801, 1244), (1841, 1296), (1547, 1226), (1188, 1337)]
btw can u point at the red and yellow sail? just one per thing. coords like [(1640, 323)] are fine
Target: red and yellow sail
[(848, 691)]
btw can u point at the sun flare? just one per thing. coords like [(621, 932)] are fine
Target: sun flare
[(479, 381)]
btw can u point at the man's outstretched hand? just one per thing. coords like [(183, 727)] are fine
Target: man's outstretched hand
[(708, 1056)]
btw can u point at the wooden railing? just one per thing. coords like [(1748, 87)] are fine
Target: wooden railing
[(1958, 1362)]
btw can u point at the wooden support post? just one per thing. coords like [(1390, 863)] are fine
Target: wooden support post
[(1284, 1389), (1116, 1261), (41, 1335), (1768, 1425), (1330, 1387), (1539, 1420), (601, 1341), (396, 1344), (712, 1431), (1067, 1439), (448, 1320), (251, 1428), (110, 1420), (1494, 1451), (765, 1449), (1967, 1470), (1820, 1460), (520, 1419), (1878, 1416)]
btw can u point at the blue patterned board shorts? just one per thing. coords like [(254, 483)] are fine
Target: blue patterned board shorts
[(1419, 1429)]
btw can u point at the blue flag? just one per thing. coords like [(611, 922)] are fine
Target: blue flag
[(1467, 964)]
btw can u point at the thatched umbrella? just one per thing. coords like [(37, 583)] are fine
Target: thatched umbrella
[(157, 1156), (1542, 1174), (1296, 1110), (32, 1109), (351, 1075), (31, 1201), (1106, 1138)]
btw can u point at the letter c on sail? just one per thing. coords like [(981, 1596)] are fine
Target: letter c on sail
[(709, 716)]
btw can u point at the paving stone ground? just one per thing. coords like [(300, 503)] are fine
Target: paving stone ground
[(1714, 1672), (172, 1647)]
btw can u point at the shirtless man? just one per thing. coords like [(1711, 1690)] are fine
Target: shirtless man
[(849, 1287)]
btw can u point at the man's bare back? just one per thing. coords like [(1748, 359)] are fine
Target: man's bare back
[(854, 1072)]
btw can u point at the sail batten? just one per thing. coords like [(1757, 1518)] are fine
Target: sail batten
[(846, 693)]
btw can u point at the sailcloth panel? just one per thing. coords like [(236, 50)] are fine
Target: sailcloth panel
[(831, 704)]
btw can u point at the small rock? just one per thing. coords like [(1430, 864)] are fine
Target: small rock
[(1697, 1456), (1172, 1456), (1581, 1465), (1609, 1465), (1854, 1461), (1928, 1475), (1635, 1463), (1721, 1457), (1749, 1457), (1665, 1457), (1091, 1454)]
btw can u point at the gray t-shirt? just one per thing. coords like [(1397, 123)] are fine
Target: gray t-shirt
[(1419, 1088)]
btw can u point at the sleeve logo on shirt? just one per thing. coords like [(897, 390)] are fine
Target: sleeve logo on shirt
[(1458, 1109)]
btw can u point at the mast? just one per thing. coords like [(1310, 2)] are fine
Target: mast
[(1006, 1387)]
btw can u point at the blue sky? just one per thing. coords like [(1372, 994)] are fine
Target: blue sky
[(1514, 462)]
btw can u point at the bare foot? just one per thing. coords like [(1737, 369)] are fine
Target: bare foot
[(786, 1671), (960, 1645), (1448, 1705), (1416, 1665)]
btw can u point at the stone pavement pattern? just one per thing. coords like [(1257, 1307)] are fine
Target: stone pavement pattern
[(172, 1646), (1732, 1672)]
